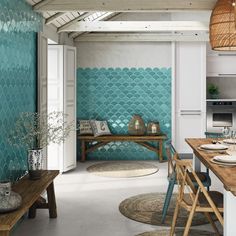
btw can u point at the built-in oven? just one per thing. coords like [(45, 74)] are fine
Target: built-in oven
[(221, 114)]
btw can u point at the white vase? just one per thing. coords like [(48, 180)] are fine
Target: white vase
[(35, 163)]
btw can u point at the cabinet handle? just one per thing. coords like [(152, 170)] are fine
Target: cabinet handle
[(227, 54), (233, 74), (190, 114), (188, 111)]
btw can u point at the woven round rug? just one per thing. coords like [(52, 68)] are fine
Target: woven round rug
[(178, 232), (124, 169), (147, 208)]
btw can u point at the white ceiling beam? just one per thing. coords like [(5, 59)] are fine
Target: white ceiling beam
[(125, 5), (70, 23), (52, 18), (42, 3), (106, 16), (137, 26), (136, 37)]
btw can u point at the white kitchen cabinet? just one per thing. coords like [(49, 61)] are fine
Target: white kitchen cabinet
[(221, 64), (62, 97), (189, 93), (188, 125)]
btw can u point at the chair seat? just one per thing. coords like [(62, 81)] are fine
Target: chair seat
[(216, 197)]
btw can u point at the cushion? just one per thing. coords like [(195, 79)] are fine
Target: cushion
[(85, 127), (100, 128)]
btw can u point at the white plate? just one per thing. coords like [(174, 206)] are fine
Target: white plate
[(214, 147), (225, 158), (222, 163), (229, 141)]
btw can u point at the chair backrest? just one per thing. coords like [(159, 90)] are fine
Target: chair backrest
[(186, 186), (171, 156)]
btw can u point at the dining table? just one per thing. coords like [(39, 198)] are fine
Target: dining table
[(225, 173)]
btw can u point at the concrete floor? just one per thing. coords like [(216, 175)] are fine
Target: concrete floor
[(88, 205)]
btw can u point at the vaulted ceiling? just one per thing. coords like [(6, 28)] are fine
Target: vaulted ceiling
[(77, 17)]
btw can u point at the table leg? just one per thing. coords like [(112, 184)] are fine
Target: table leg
[(51, 201), (160, 150), (83, 151), (196, 163), (229, 213), (4, 233)]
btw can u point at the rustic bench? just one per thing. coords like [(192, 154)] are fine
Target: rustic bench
[(144, 140), (30, 191)]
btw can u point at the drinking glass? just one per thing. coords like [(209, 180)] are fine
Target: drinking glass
[(233, 137), (226, 132)]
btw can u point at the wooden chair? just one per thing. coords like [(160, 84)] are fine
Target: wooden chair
[(171, 156), (195, 199)]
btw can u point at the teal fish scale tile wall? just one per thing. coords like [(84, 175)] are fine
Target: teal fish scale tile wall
[(115, 94), (17, 89)]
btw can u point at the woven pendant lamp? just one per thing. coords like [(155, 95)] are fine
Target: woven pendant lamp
[(222, 26)]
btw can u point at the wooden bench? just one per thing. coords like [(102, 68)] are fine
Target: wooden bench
[(144, 140), (30, 191)]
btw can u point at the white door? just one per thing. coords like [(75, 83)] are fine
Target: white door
[(42, 80), (70, 105), (55, 100)]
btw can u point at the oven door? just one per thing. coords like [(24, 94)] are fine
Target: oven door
[(218, 119)]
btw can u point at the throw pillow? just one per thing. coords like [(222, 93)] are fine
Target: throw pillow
[(85, 127), (100, 128)]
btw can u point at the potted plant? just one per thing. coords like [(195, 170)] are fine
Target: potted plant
[(213, 91), (34, 131)]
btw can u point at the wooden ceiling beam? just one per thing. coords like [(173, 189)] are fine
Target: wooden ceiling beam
[(41, 4), (136, 26), (143, 37), (52, 18), (124, 5)]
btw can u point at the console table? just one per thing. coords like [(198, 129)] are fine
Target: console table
[(30, 191), (87, 140)]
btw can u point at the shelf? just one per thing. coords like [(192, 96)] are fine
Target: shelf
[(221, 100)]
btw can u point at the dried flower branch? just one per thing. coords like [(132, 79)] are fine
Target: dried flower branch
[(33, 130)]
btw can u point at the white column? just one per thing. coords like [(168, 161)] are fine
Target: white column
[(229, 214)]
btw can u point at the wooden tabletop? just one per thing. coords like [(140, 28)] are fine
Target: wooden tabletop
[(227, 175), (123, 137)]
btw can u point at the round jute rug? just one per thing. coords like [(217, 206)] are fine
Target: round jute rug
[(147, 208), (124, 169), (178, 232)]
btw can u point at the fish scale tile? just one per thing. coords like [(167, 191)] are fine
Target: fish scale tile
[(115, 94), (17, 81)]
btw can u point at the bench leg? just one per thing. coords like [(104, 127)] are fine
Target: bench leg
[(51, 201), (4, 233), (83, 151), (160, 151), (32, 211)]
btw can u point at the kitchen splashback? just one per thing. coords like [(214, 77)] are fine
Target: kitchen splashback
[(115, 94)]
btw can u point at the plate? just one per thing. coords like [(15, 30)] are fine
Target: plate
[(229, 141), (225, 158), (222, 163), (214, 147)]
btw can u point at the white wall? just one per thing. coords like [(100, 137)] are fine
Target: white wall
[(133, 54), (123, 54)]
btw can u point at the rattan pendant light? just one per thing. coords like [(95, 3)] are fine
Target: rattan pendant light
[(222, 26)]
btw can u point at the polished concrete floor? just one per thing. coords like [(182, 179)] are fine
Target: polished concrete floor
[(88, 205)]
